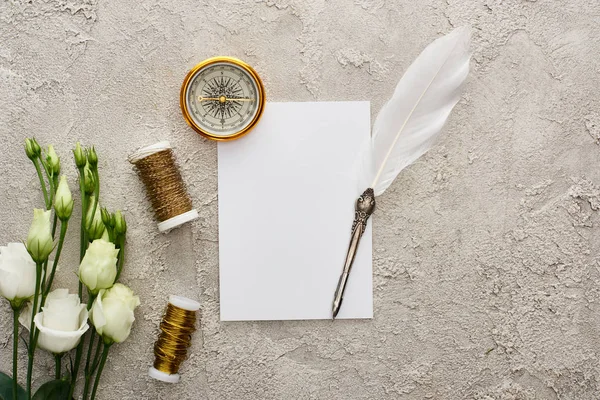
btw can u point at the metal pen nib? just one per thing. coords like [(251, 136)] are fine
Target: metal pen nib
[(365, 205)]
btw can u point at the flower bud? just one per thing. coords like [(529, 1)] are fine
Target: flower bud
[(36, 147), (52, 161), (92, 157), (112, 313), (39, 240), (120, 224), (79, 155), (107, 218), (32, 149), (88, 180), (63, 202), (94, 222), (98, 269)]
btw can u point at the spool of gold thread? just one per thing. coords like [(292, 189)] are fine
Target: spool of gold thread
[(164, 186), (174, 339)]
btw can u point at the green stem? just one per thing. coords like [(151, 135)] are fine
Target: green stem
[(100, 368), (43, 280), (97, 354), (51, 181), (75, 370), (54, 224), (88, 361), (42, 183), (121, 244), (88, 365), (52, 191), (45, 284), (83, 230), (90, 349), (63, 231), (96, 360), (82, 248), (79, 352), (15, 349), (82, 234), (96, 196), (57, 366), (32, 330)]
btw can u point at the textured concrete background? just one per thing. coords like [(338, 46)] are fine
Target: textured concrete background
[(486, 266)]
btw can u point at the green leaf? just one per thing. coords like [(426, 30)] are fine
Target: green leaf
[(6, 388), (53, 390)]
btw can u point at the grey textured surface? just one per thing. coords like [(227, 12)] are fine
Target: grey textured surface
[(486, 266)]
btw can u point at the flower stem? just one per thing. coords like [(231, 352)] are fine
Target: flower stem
[(79, 352), (96, 195), (82, 234), (89, 364), (89, 361), (50, 176), (32, 330), (75, 368), (100, 368), (15, 349), (97, 354), (121, 246), (57, 366), (93, 366), (54, 223), (82, 249), (42, 183), (63, 231)]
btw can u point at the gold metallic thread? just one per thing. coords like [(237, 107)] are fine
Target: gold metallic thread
[(164, 185), (176, 329)]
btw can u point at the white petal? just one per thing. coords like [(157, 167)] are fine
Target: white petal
[(9, 283), (26, 287), (119, 320), (57, 341), (97, 313), (25, 315), (57, 294)]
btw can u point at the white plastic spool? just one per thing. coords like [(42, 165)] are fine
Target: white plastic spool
[(177, 220), (186, 304)]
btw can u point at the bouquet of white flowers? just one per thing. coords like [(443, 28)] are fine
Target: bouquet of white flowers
[(57, 321)]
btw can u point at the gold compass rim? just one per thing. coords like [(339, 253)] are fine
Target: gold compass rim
[(214, 60)]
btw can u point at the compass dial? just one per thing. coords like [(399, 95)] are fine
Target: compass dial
[(222, 98)]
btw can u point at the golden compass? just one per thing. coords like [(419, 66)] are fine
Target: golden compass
[(222, 98)]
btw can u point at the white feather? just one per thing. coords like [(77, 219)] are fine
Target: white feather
[(412, 119)]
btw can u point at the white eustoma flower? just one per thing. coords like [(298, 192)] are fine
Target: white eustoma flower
[(39, 239), (17, 272), (98, 269), (112, 312), (62, 322)]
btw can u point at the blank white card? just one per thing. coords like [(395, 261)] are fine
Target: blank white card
[(286, 205)]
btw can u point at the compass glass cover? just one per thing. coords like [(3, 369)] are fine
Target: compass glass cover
[(222, 99)]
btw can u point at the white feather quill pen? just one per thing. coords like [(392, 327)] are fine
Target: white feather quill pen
[(408, 125)]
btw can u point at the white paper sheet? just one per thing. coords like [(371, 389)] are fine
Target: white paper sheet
[(286, 206)]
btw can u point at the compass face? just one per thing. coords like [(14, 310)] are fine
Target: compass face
[(222, 98)]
